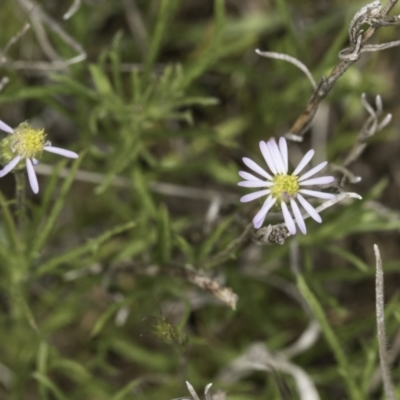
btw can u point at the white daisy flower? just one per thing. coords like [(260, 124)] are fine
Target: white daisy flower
[(23, 147), (284, 189)]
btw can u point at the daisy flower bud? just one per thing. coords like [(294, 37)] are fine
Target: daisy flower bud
[(283, 189), (23, 147)]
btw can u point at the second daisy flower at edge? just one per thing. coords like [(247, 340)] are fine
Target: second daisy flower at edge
[(282, 188)]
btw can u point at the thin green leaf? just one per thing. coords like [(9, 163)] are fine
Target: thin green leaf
[(91, 245), (164, 236), (45, 232), (44, 380), (345, 369)]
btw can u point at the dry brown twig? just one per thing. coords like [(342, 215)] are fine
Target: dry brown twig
[(376, 17), (372, 14), (194, 276)]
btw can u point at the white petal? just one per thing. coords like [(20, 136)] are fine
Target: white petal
[(192, 391), (32, 176), (284, 152), (268, 157), (255, 195), (313, 171), (256, 168), (11, 165), (304, 161), (298, 216), (277, 156), (322, 180), (248, 177), (319, 195), (312, 212), (207, 388), (288, 219), (61, 152), (258, 220), (34, 161), (4, 127), (255, 184)]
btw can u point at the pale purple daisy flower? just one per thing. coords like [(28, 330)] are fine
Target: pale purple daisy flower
[(284, 189), (23, 147)]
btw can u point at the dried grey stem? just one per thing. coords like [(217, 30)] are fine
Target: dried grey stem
[(3, 82), (258, 358), (380, 323), (376, 17), (295, 257), (194, 395), (12, 41), (379, 47), (6, 376), (166, 189), (349, 54), (347, 173), (371, 126), (73, 9), (292, 60), (392, 356), (44, 67), (42, 38), (361, 17), (40, 18)]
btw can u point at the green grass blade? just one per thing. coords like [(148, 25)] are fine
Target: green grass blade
[(332, 340), (45, 232)]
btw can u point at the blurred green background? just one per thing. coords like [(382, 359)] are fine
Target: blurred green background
[(169, 99)]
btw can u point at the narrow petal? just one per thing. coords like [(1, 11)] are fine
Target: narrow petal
[(32, 176), (248, 177), (313, 171), (4, 127), (61, 152), (319, 195), (312, 212), (11, 165), (322, 180), (259, 219), (288, 219), (268, 157), (298, 216), (284, 152), (256, 168), (34, 161), (304, 161), (255, 195), (276, 153), (255, 184)]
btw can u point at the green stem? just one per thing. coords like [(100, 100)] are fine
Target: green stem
[(345, 369), (20, 182)]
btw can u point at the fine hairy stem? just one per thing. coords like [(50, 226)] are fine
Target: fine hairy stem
[(20, 199), (380, 322)]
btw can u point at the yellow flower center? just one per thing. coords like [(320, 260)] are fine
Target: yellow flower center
[(285, 186), (27, 142)]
